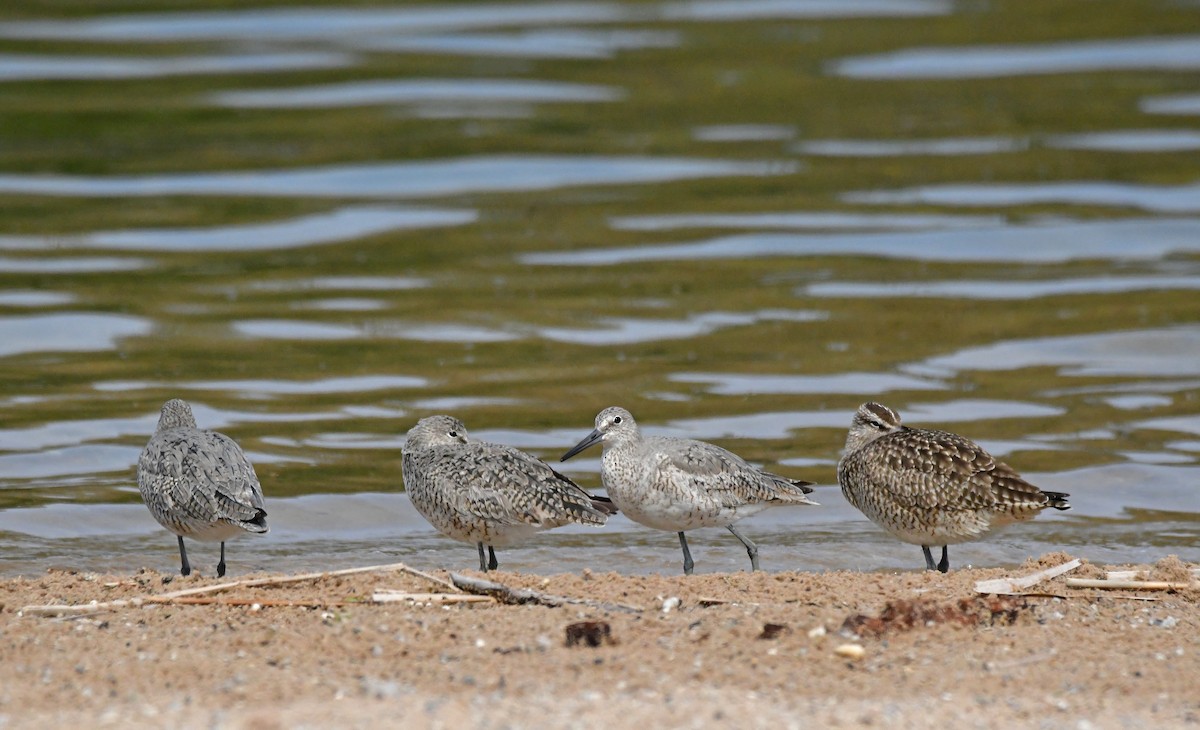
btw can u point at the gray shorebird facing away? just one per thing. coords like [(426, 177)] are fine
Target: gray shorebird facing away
[(198, 484), (931, 487), (677, 484), (488, 494)]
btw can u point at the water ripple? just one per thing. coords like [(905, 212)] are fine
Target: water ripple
[(1130, 140), (802, 221), (856, 383), (500, 173), (308, 24), (1165, 352), (361, 26), (343, 224), (895, 148), (67, 332), (979, 289), (1156, 198), (727, 10), (261, 388), (1053, 241), (558, 43), (33, 299), (70, 265), (24, 67), (614, 331), (1171, 104), (1175, 53), (416, 91)]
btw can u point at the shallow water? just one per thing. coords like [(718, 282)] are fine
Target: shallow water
[(738, 219)]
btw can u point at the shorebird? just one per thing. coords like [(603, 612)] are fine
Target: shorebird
[(677, 484), (198, 484), (488, 494), (931, 487)]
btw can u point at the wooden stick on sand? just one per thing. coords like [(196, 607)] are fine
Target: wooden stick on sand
[(173, 597), (1132, 585), (507, 594), (1011, 586)]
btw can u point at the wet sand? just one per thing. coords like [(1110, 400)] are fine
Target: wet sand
[(755, 650)]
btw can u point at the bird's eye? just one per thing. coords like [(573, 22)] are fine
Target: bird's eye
[(617, 419), (454, 434)]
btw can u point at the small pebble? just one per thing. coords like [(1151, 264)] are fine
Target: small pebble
[(850, 651)]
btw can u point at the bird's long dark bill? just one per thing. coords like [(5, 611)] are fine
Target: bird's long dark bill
[(592, 439)]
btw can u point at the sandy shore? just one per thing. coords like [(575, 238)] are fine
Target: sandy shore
[(761, 650)]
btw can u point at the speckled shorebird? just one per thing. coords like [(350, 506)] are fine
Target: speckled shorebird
[(678, 484), (931, 487), (198, 484), (488, 494)]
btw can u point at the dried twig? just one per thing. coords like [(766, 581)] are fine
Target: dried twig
[(1132, 585), (507, 594), (391, 596), (263, 602), (1015, 586), (175, 596), (1133, 574)]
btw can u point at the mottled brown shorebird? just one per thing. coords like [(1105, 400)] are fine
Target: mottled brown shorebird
[(677, 484), (198, 484), (931, 487), (488, 494)]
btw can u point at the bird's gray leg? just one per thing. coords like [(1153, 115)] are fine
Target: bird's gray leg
[(944, 565), (751, 548), (221, 565), (929, 565), (482, 558), (687, 555), (492, 562), (185, 568)]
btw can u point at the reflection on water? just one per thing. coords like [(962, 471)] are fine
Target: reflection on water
[(802, 221), (344, 283), (417, 91), (1166, 352), (1175, 104), (861, 383), (343, 224), (67, 332), (24, 67), (1176, 53), (511, 173), (1054, 241), (310, 24), (34, 299), (630, 331), (69, 265), (1157, 198), (260, 388), (557, 43), (738, 219), (772, 9), (1000, 289), (355, 25), (1132, 140), (892, 148), (743, 133)]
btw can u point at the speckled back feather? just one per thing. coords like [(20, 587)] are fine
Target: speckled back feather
[(931, 487), (477, 491), (198, 483)]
